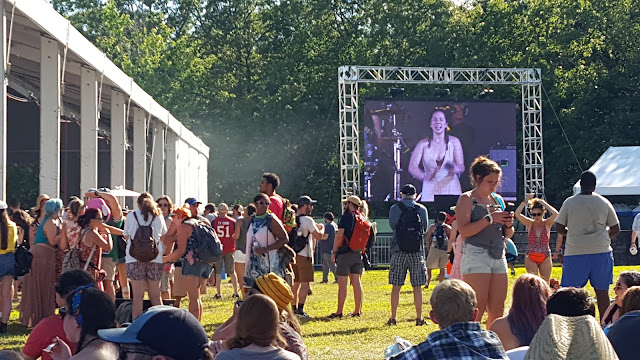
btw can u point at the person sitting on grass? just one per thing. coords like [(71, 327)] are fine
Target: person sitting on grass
[(622, 333), (529, 308), (86, 311), (626, 279), (571, 301), (257, 335), (289, 328), (161, 333), (454, 309), (48, 329)]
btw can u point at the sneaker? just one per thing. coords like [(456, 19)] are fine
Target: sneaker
[(513, 272), (302, 314), (392, 322), (335, 316), (217, 296), (420, 322), (236, 295), (354, 314)]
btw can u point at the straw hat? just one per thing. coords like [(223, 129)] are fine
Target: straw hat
[(354, 200), (276, 288), (564, 337), (39, 200)]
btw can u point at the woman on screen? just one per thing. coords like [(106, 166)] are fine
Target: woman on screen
[(441, 157)]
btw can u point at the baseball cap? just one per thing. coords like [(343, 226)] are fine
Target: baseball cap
[(274, 287), (3, 205), (98, 203), (185, 340), (354, 200), (408, 189), (192, 201), (305, 200)]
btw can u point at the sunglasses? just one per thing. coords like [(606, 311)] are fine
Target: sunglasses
[(265, 203), (619, 286), (536, 214), (163, 205), (62, 311)]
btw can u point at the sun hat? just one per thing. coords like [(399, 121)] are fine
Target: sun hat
[(39, 200), (168, 330), (570, 337), (98, 203), (354, 200), (274, 287)]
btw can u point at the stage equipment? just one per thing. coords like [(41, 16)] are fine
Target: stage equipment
[(351, 76)]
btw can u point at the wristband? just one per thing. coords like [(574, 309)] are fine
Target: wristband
[(489, 218)]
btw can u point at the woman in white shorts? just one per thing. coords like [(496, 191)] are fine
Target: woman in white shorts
[(483, 223), (240, 237)]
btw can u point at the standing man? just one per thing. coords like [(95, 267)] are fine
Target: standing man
[(589, 223), (325, 245), (210, 212), (303, 268), (268, 186), (194, 207), (349, 264), (408, 220), (225, 226), (437, 244)]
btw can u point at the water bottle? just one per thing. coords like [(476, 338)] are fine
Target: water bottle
[(399, 346)]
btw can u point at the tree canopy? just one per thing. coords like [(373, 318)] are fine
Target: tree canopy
[(256, 79)]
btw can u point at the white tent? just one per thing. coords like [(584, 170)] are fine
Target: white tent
[(617, 172)]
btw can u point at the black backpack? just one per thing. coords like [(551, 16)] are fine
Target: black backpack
[(440, 234), (22, 259), (297, 240), (410, 229)]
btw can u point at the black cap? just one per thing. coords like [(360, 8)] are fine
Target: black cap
[(305, 200), (408, 190)]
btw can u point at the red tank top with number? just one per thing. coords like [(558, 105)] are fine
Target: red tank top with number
[(225, 227)]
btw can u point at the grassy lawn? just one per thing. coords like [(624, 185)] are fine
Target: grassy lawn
[(348, 338)]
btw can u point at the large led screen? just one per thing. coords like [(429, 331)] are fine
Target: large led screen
[(431, 144)]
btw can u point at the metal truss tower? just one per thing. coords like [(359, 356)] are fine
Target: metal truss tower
[(350, 77)]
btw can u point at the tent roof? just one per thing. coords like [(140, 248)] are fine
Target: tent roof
[(617, 172)]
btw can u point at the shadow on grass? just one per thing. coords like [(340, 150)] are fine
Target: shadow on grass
[(341, 332)]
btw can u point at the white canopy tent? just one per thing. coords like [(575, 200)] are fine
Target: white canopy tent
[(617, 172)]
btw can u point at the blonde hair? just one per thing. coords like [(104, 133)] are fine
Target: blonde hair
[(364, 208), (148, 206), (481, 167), (453, 301)]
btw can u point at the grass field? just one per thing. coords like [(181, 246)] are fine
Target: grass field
[(348, 338)]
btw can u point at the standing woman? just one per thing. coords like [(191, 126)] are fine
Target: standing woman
[(37, 213), (265, 236), (240, 237), (145, 274), (538, 257), (455, 244), (94, 238), (483, 223), (38, 292), (70, 234), (166, 281), (8, 239)]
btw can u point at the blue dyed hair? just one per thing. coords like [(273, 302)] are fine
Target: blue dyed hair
[(52, 206)]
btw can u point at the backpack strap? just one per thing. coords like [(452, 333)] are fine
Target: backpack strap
[(402, 207), (498, 201), (136, 217)]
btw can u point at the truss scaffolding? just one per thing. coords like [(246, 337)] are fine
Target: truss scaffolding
[(350, 77)]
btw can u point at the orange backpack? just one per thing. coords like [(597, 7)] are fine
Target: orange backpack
[(360, 236)]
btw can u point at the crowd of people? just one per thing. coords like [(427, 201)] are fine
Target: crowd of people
[(94, 254)]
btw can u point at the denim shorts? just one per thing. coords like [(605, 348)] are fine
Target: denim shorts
[(596, 268), (7, 264), (196, 269), (476, 260)]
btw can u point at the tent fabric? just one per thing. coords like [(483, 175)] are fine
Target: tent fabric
[(617, 172)]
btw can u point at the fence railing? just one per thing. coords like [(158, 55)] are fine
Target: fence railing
[(379, 255)]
